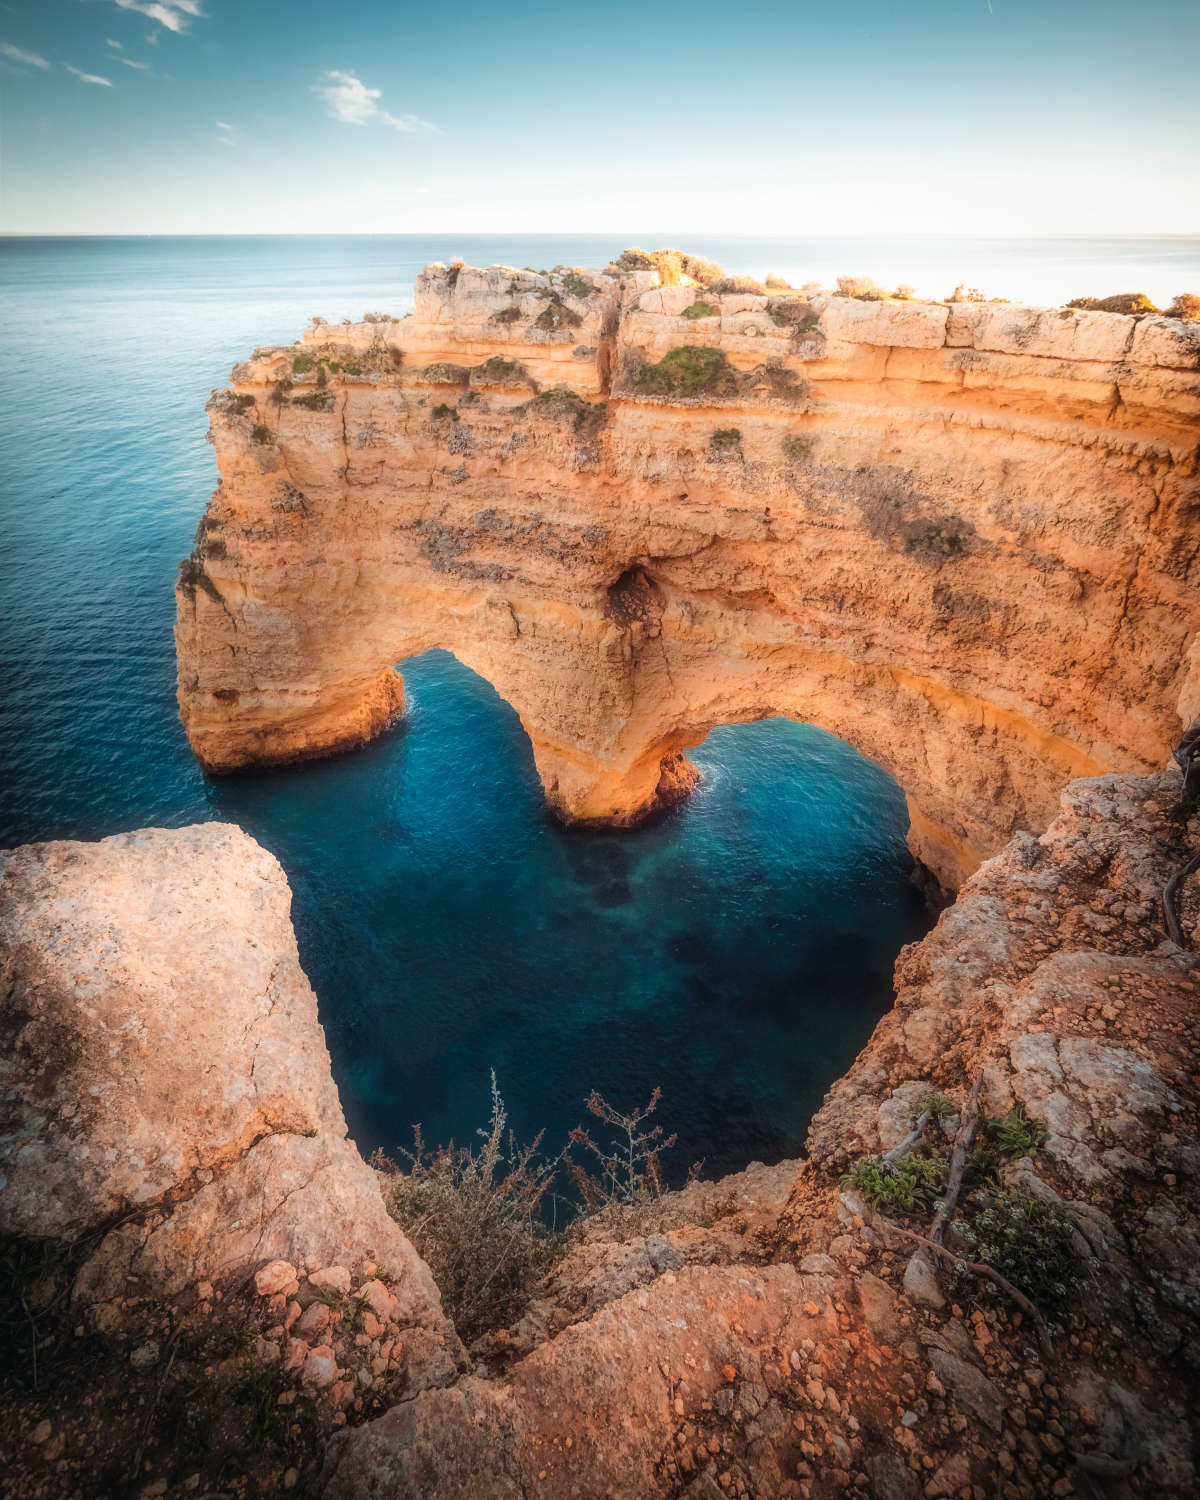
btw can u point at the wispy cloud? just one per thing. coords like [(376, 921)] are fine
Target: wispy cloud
[(228, 133), (89, 77), (129, 63), (348, 99), (19, 55), (173, 14), (111, 43)]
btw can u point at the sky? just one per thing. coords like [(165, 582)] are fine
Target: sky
[(377, 116)]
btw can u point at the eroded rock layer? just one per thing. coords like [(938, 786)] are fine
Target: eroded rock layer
[(168, 1112), (962, 538)]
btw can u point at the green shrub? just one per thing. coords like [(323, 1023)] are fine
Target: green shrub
[(498, 371), (687, 372), (795, 314), (239, 405), (1016, 1134), (303, 363), (907, 1184), (555, 316), (442, 373), (775, 283), (725, 438), (1122, 302), (561, 404), (1028, 1240), (798, 447), (671, 265), (700, 310), (507, 315), (315, 401), (936, 1106), (261, 434), (578, 287)]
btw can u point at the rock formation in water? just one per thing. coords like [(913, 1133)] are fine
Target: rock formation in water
[(169, 1110), (962, 538)]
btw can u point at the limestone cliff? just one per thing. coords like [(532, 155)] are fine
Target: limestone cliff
[(963, 538), (776, 1336)]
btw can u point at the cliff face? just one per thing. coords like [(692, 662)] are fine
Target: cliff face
[(964, 539), (773, 1336)]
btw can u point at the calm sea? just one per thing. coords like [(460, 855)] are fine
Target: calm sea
[(737, 953)]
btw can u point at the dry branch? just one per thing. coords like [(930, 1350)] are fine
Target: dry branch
[(958, 1162)]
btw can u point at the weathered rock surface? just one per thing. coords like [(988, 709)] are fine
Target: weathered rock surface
[(164, 1082), (768, 1337), (684, 1364), (965, 539)]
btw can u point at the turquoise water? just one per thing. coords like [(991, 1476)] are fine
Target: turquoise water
[(737, 952)]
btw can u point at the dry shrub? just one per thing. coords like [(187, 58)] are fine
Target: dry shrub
[(862, 288), (1121, 302), (744, 284), (1185, 306), (775, 283)]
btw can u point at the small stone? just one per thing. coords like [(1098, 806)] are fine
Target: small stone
[(295, 1355), (41, 1432), (333, 1280), (812, 1309), (312, 1322), (273, 1277), (728, 1372), (371, 1325), (320, 1367), (385, 1307), (291, 1477), (144, 1355), (205, 1291)]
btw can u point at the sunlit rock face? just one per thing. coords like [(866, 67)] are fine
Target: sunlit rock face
[(962, 538)]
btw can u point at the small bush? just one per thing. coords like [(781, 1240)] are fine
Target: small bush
[(798, 447), (725, 438), (1122, 302), (239, 405), (936, 1106), (561, 404), (862, 288), (315, 401), (1185, 306), (905, 293), (578, 287), (1028, 1240), (794, 314), (303, 363), (775, 283), (1016, 1134), (905, 1186), (498, 371), (379, 317), (507, 315), (474, 1215), (556, 315), (442, 412), (630, 1171), (743, 284), (689, 371), (967, 294), (700, 310), (261, 434)]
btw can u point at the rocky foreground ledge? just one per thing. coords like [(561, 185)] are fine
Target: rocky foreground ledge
[(173, 1148)]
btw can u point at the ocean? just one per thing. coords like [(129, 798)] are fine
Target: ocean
[(737, 953)]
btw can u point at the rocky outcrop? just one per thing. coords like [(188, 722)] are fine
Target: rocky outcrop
[(769, 1335), (165, 1091), (846, 1365), (962, 538)]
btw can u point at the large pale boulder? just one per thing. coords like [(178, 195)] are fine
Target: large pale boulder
[(164, 1072)]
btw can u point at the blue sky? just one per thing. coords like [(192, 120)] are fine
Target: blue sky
[(230, 116)]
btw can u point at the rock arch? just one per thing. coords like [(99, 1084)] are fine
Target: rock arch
[(963, 539)]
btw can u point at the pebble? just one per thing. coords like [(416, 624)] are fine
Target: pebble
[(320, 1367), (333, 1280), (274, 1277), (144, 1355)]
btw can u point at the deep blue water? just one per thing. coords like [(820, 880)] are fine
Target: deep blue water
[(738, 952)]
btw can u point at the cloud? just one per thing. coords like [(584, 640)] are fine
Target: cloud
[(89, 77), (111, 43), (17, 55), (129, 63), (348, 99), (228, 135), (173, 14)]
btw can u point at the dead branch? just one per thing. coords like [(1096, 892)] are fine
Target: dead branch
[(989, 1273), (1171, 899), (958, 1162), (909, 1141)]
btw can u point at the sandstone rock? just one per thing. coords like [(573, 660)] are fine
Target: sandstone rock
[(1009, 483), (333, 1281), (921, 1283), (320, 1367), (163, 1062), (312, 1321)]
